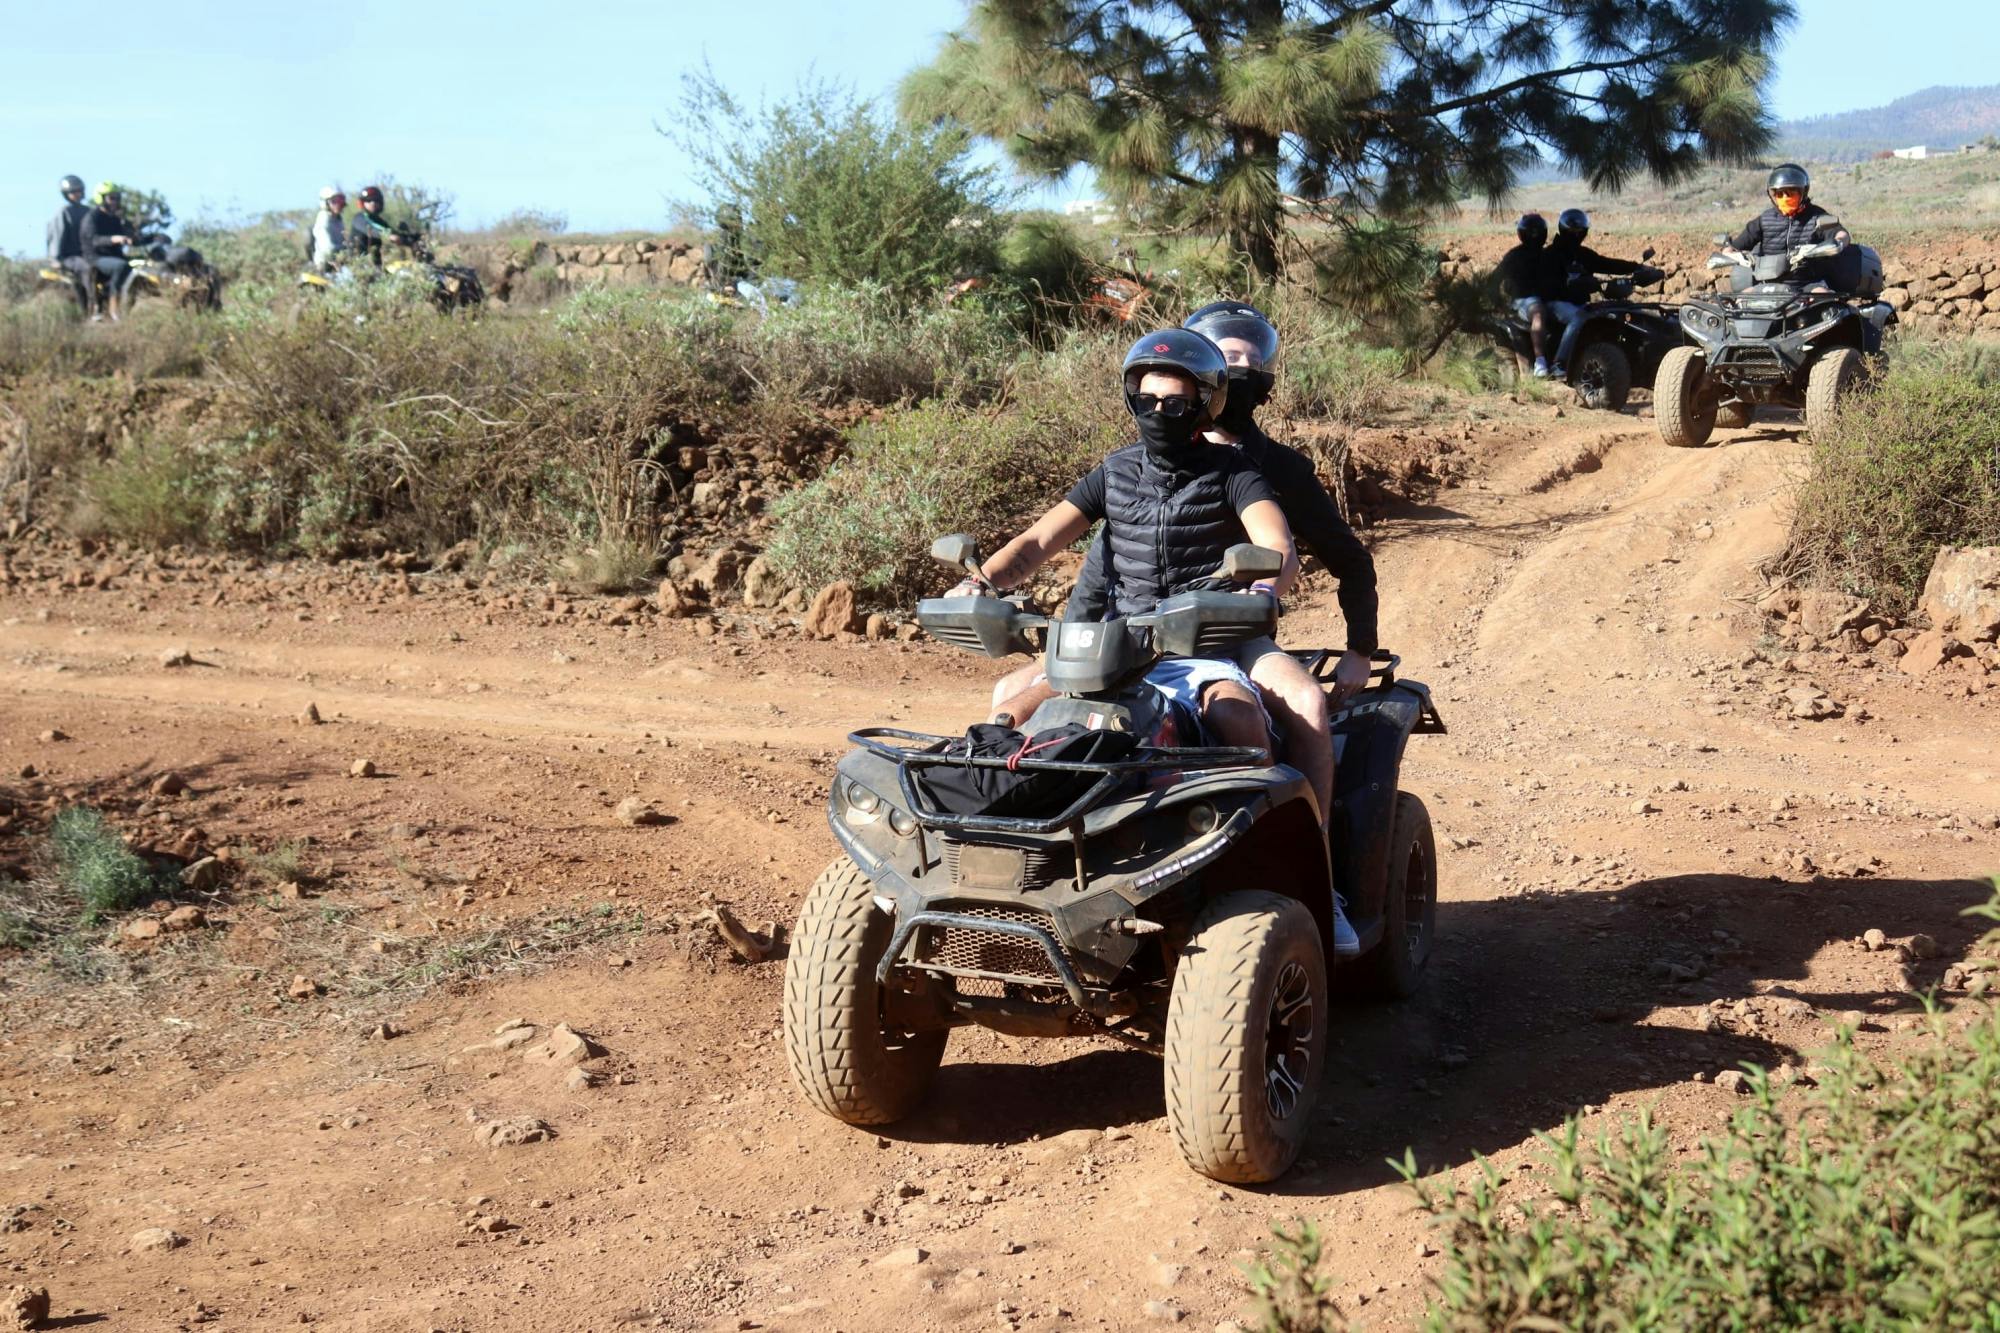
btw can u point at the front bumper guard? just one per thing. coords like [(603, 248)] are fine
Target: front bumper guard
[(907, 928)]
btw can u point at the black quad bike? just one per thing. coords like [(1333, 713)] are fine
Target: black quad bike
[(1779, 337), (452, 286), (1179, 898), (1619, 345)]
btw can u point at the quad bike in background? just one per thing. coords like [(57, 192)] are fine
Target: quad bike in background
[(159, 268), (452, 286), (1617, 343), (1781, 336), (1116, 874)]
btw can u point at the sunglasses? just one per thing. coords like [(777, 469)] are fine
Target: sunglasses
[(1167, 405), (1787, 193)]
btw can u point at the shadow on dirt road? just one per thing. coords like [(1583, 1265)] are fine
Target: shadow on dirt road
[(1535, 1009)]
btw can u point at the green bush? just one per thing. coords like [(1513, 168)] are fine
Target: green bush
[(843, 343), (831, 190), (1903, 470), (95, 865), (942, 466)]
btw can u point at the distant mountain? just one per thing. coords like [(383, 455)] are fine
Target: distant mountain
[(1937, 118)]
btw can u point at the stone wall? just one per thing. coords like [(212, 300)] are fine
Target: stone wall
[(562, 264)]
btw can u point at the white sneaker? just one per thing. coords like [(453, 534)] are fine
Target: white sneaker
[(1346, 944), (1541, 367)]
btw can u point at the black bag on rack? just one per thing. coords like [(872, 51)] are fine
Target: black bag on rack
[(1016, 792)]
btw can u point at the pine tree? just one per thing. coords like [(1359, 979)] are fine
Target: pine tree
[(1224, 115)]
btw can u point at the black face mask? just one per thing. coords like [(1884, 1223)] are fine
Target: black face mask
[(1248, 390), (1171, 440)]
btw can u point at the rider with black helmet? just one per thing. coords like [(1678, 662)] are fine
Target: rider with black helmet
[(1792, 221), (1172, 504), (104, 233), (1567, 267), (368, 231), (66, 241), (1519, 277)]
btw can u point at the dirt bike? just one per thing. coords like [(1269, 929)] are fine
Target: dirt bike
[(1179, 899), (1780, 336), (159, 268), (1618, 342)]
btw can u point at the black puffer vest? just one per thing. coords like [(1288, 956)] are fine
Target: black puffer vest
[(1780, 235), (1167, 529)]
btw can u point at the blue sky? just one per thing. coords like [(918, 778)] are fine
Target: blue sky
[(231, 107)]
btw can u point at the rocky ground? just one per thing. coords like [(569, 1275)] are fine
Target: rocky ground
[(462, 1036)]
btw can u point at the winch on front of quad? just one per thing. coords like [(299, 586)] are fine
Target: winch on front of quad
[(1782, 336), (1179, 899)]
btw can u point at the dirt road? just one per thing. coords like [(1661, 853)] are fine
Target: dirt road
[(1652, 869)]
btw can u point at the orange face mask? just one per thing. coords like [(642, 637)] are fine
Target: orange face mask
[(1789, 202)]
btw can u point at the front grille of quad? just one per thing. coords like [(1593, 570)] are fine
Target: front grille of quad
[(1752, 362), (967, 949), (989, 866)]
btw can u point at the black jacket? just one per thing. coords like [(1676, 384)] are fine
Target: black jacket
[(97, 225), (1167, 529), (1519, 271), (1316, 525), (1772, 233), (66, 231), (1563, 264)]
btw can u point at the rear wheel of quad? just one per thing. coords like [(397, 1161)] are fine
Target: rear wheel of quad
[(844, 1060), (1602, 377), (1833, 376), (1393, 969), (1246, 1037), (1735, 414), (1683, 403)]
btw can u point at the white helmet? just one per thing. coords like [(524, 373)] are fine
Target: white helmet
[(330, 193)]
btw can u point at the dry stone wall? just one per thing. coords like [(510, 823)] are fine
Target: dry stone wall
[(506, 266)]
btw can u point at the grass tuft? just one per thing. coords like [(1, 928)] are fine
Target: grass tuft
[(93, 863)]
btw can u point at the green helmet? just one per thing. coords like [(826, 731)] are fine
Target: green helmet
[(106, 190)]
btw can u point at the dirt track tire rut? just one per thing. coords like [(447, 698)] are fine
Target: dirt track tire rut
[(1240, 951), (842, 1060)]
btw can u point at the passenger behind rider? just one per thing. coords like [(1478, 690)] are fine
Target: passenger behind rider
[(1172, 504), (1567, 266), (369, 231), (66, 243), (1519, 277), (103, 235), (1792, 221), (329, 232)]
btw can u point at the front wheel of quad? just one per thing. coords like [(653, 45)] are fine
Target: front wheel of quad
[(1603, 377), (844, 1060), (1683, 404), (1246, 1037), (1833, 376), (1393, 969)]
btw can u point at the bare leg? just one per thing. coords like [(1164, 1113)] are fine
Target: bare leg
[(1538, 330), (1298, 705), (1234, 715), (1018, 694)]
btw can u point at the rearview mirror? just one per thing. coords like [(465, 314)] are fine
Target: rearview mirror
[(1720, 238), (957, 550), (1245, 563), (1827, 224), (1647, 254)]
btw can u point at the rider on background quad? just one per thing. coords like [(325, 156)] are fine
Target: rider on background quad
[(329, 232), (103, 234), (1519, 275), (369, 231), (1792, 221), (66, 241), (1172, 504), (1567, 267)]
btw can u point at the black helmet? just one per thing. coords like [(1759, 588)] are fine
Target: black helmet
[(1533, 229), (1183, 351), (1233, 319), (1574, 224), (1790, 176), (70, 185)]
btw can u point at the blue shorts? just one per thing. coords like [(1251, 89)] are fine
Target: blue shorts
[(1183, 680)]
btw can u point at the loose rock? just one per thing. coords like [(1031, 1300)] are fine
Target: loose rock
[(176, 657), (184, 918), (168, 784), (638, 812), (157, 1238), (1733, 1080), (564, 1046), (141, 928), (309, 715), (512, 1132), (303, 988), (362, 768), (907, 1257), (25, 1307), (202, 875), (832, 611)]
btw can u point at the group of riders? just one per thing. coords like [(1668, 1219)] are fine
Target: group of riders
[(334, 241), (1548, 280), (93, 242)]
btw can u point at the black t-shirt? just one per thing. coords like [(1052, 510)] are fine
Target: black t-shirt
[(1518, 272), (1241, 481)]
